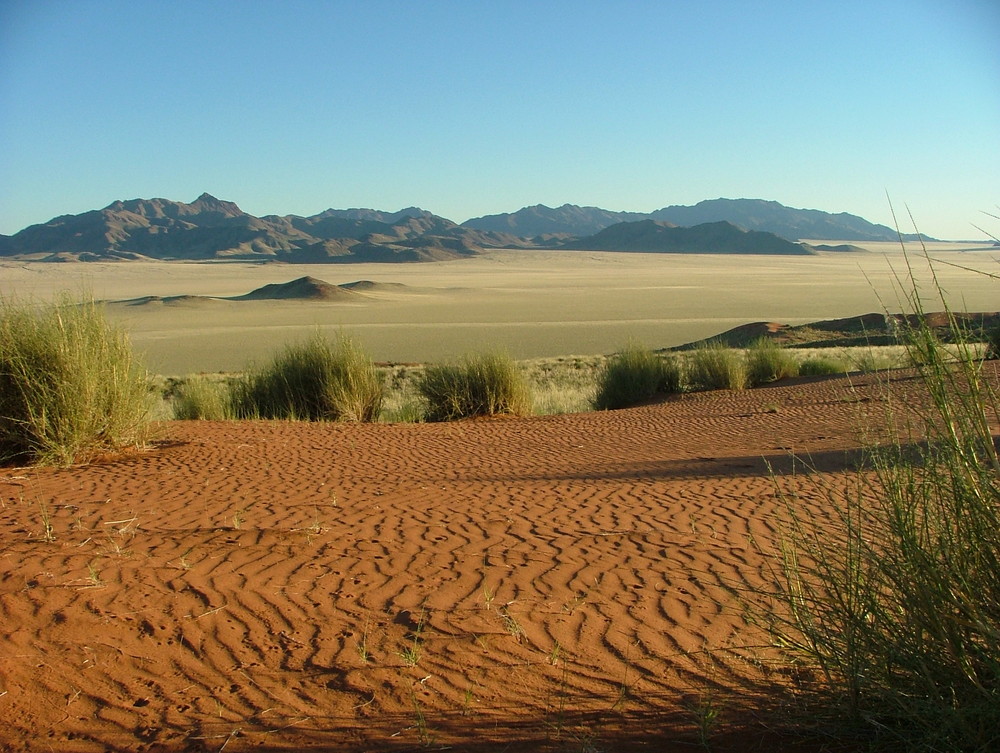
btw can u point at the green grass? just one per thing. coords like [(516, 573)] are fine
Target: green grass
[(634, 375), (823, 365), (715, 366), (70, 385), (202, 398), (898, 615), (314, 380), (483, 384), (768, 362)]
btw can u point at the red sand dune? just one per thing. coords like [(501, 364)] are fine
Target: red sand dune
[(510, 584)]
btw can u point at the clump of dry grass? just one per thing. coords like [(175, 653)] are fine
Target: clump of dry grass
[(635, 374), (70, 384), (315, 380), (483, 384)]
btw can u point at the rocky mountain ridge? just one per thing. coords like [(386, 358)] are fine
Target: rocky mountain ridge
[(211, 228)]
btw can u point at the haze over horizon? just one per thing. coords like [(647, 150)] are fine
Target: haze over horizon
[(466, 110)]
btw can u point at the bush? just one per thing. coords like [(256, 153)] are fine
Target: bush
[(70, 385), (634, 375), (768, 362), (484, 384), (901, 614), (716, 367), (200, 398), (315, 380)]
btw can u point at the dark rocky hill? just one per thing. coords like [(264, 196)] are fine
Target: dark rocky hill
[(649, 236), (209, 228), (749, 214)]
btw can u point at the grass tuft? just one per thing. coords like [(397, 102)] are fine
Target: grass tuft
[(768, 362), (899, 615), (70, 385), (634, 375), (484, 384), (314, 380), (714, 366), (202, 398)]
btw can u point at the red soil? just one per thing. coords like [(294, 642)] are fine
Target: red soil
[(515, 584)]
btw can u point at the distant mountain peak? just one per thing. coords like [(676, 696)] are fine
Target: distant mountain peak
[(208, 203)]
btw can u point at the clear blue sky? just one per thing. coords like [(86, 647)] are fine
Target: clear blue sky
[(471, 108)]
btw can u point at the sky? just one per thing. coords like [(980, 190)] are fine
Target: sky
[(473, 108)]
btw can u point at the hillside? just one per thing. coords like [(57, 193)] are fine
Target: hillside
[(749, 214), (866, 329), (649, 236), (209, 228)]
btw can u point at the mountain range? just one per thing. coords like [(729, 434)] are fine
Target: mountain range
[(749, 214), (210, 228)]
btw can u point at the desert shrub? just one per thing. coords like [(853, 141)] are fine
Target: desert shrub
[(768, 362), (822, 366), (314, 380), (635, 374), (70, 384), (715, 366), (900, 614), (483, 384), (200, 398)]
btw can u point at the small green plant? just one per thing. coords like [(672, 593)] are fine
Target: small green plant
[(363, 654), (485, 384), (48, 533), (94, 575), (555, 653), (240, 517), (411, 653), (420, 719), (510, 623), (706, 717), (714, 366), (315, 380), (768, 362), (70, 385), (633, 375)]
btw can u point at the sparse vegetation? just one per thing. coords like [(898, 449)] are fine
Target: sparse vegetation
[(716, 367), (768, 362), (315, 380), (202, 398), (822, 365), (70, 386), (635, 374), (484, 384), (899, 617)]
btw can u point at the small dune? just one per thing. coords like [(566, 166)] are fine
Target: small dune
[(301, 289), (172, 300), (370, 286)]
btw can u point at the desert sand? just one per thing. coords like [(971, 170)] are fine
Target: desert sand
[(517, 584), (531, 303)]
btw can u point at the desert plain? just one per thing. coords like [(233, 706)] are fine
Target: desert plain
[(515, 584), (530, 303)]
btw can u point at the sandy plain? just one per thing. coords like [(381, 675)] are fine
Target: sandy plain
[(531, 303)]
